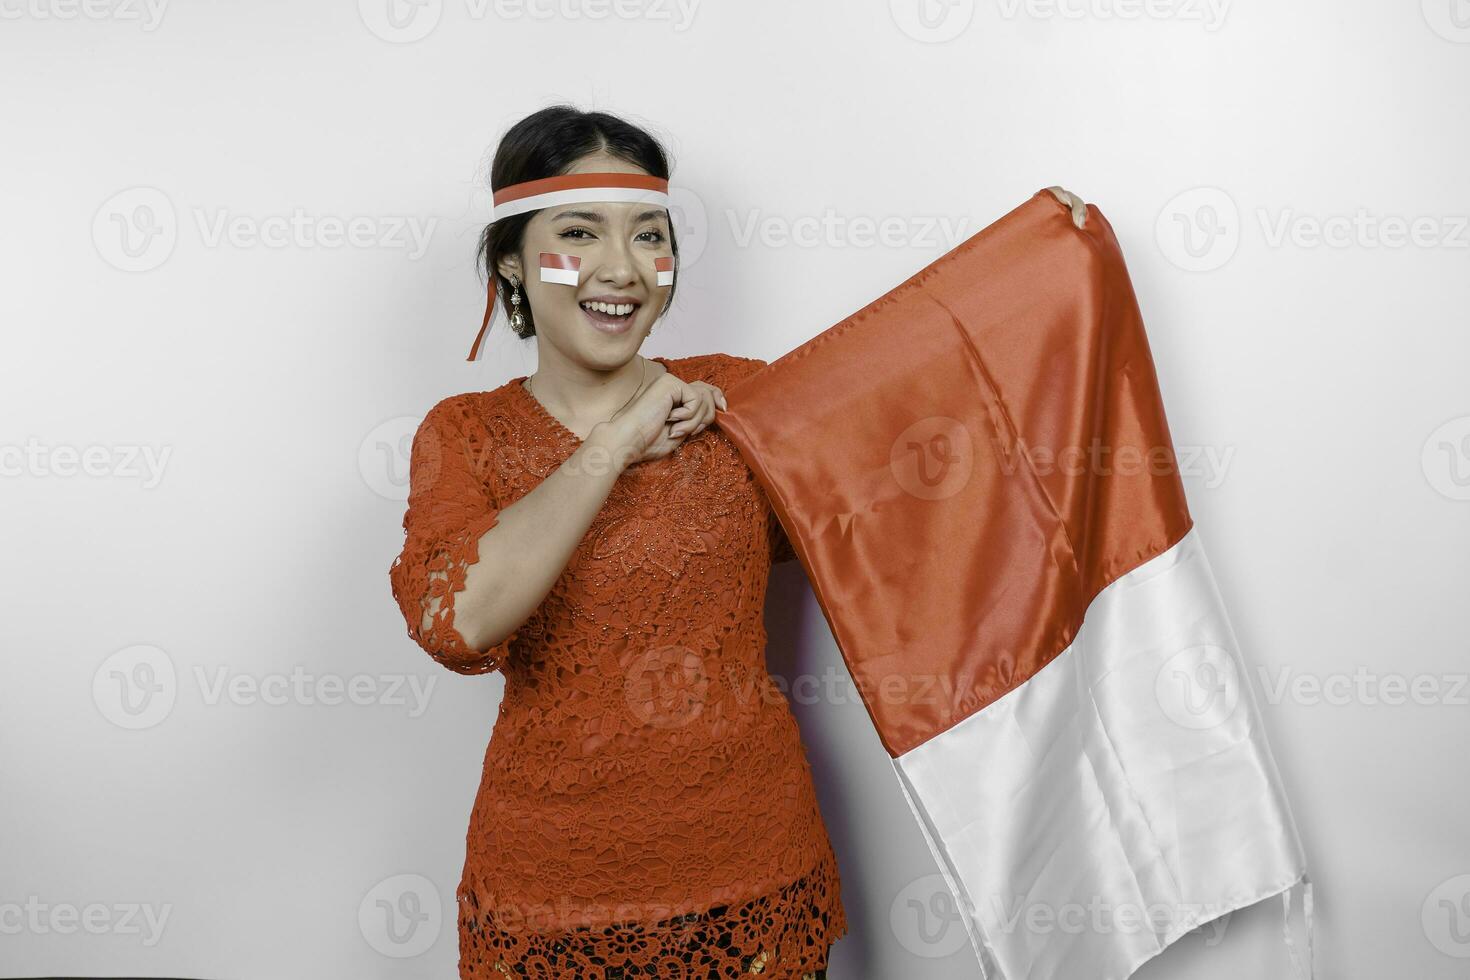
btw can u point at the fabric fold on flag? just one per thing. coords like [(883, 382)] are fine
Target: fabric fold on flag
[(976, 473)]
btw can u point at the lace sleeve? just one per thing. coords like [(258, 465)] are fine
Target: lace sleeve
[(448, 510)]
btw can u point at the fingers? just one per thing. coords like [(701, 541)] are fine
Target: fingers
[(1079, 211), (704, 414), (694, 407), (695, 416), (1077, 206)]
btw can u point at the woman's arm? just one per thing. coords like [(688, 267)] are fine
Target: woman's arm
[(523, 555), (471, 573)]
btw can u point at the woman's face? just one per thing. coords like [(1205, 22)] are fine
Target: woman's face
[(617, 243)]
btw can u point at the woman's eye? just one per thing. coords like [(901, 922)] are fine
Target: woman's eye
[(571, 232), (658, 236)]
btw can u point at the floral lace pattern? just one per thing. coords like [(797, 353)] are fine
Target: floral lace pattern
[(646, 808)]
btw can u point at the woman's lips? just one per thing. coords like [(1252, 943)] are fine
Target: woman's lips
[(608, 323)]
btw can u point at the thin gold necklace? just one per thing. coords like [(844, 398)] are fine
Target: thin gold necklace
[(642, 376)]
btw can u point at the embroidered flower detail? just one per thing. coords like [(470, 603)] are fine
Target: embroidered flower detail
[(660, 529)]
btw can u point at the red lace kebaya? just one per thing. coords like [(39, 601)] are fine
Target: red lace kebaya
[(646, 808)]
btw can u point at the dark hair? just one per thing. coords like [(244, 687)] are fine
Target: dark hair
[(546, 144)]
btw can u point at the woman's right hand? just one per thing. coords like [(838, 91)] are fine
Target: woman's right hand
[(1077, 205), (668, 411)]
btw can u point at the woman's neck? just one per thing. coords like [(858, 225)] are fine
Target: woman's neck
[(587, 397)]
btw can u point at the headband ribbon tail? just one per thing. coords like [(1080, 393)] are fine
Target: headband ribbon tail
[(475, 349)]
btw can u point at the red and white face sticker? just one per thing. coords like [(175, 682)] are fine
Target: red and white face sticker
[(561, 269), (664, 267)]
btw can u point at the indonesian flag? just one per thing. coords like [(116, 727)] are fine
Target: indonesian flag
[(559, 268), (977, 476), (663, 267)]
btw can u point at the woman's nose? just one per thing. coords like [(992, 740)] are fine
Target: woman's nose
[(616, 263)]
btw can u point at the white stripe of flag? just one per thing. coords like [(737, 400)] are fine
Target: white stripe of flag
[(559, 268)]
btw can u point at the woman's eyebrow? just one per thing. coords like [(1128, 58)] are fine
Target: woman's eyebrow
[(597, 217)]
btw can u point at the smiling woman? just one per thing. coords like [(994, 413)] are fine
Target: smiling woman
[(645, 807), (542, 173)]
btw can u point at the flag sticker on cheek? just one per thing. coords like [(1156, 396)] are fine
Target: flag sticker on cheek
[(664, 267), (559, 268)]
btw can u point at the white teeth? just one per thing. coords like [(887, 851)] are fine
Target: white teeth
[(619, 309)]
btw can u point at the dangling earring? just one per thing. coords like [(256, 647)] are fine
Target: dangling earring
[(517, 318)]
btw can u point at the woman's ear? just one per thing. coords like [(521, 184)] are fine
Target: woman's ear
[(507, 264)]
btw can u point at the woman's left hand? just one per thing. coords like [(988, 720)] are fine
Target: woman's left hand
[(693, 417), (1078, 206)]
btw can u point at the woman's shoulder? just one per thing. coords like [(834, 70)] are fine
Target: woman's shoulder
[(456, 411), (718, 369)]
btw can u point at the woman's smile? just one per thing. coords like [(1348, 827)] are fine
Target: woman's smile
[(610, 317)]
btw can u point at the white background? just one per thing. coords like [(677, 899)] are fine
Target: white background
[(1257, 161)]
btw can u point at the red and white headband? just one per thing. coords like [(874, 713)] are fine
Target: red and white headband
[(533, 195)]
